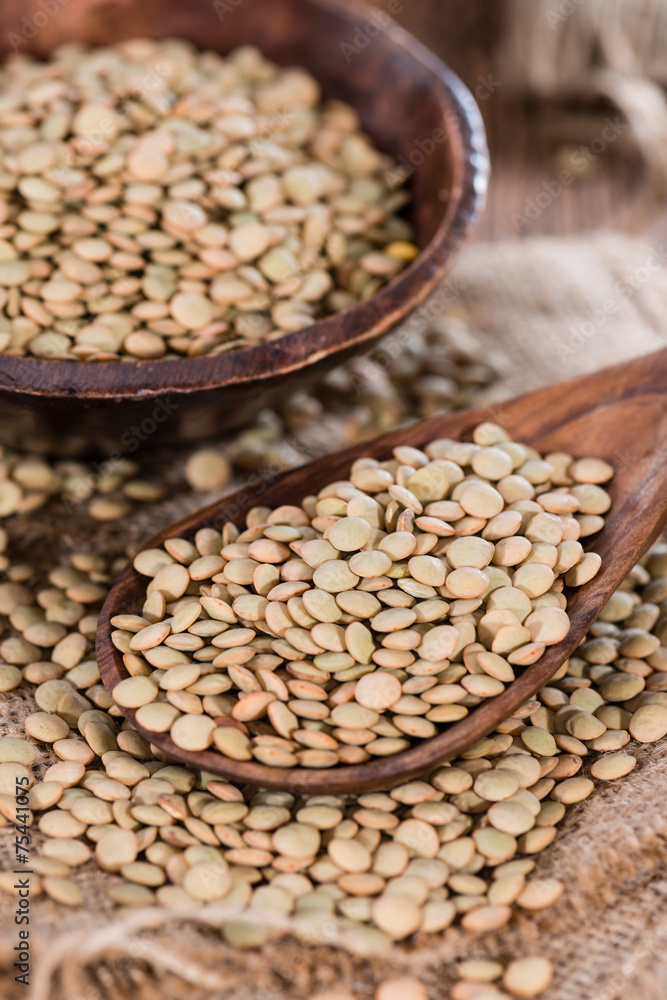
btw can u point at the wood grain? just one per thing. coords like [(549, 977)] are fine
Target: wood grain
[(465, 33), (619, 414), (404, 96), (532, 142)]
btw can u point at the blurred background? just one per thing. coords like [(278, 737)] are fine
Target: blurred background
[(549, 76)]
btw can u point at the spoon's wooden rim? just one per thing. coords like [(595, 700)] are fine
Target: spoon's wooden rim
[(644, 517)]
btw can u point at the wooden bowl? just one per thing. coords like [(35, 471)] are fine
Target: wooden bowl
[(414, 108)]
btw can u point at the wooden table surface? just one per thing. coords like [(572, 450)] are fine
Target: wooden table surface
[(531, 146)]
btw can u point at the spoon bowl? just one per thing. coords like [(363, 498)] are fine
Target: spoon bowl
[(619, 414)]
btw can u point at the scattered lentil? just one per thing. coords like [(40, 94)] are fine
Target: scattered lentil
[(528, 977), (438, 802), (401, 988)]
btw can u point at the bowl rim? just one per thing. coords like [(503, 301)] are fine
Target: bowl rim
[(343, 331)]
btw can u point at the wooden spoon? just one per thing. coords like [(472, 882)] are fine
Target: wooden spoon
[(619, 414)]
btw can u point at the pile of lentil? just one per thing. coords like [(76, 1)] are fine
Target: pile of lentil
[(377, 612), (161, 202), (383, 865)]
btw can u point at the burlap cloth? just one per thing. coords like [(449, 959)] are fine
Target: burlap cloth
[(543, 310), (587, 50)]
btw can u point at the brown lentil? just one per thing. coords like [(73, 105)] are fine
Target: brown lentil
[(225, 207), (390, 855), (347, 677)]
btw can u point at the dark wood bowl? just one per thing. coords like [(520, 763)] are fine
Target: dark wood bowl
[(414, 108)]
